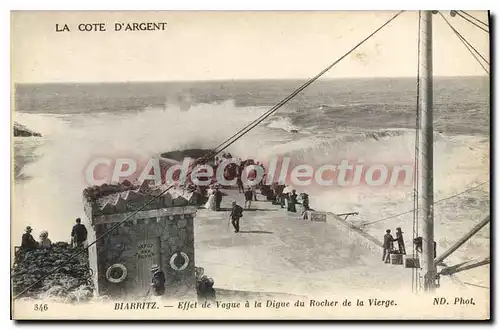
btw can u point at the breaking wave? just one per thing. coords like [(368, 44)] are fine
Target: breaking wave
[(283, 123), (51, 198)]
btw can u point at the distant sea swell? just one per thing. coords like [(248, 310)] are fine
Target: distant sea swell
[(373, 119)]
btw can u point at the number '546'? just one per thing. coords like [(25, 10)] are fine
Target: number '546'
[(41, 307)]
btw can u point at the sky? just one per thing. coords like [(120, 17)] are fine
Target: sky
[(233, 45)]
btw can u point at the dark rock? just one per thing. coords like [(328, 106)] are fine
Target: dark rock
[(21, 130), (69, 283)]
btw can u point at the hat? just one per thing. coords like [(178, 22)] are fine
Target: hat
[(199, 271), (388, 231), (155, 268), (28, 228), (398, 229), (233, 202), (44, 234)]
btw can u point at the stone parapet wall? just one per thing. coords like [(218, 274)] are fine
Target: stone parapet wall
[(125, 198)]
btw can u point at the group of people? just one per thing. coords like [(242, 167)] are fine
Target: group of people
[(214, 199), (388, 245), (291, 199), (288, 199), (78, 237), (204, 284), (235, 170), (29, 243), (274, 193), (225, 155), (232, 171)]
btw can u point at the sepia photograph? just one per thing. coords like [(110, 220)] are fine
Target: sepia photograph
[(256, 165)]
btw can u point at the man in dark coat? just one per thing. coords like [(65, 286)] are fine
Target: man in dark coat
[(205, 289), (158, 281), (305, 205), (292, 200), (388, 246), (401, 242), (248, 198), (305, 201), (418, 241), (27, 241), (218, 198), (236, 214), (78, 233), (240, 184)]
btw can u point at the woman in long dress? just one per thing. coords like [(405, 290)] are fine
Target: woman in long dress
[(44, 240), (210, 204)]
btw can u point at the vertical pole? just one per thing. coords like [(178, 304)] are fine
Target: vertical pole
[(426, 151)]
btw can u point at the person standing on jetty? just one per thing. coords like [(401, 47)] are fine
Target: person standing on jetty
[(210, 204), (401, 241), (44, 240), (205, 289), (305, 205), (283, 197), (27, 241), (236, 214), (292, 200), (78, 234), (248, 198), (239, 182), (158, 281), (388, 246), (218, 198)]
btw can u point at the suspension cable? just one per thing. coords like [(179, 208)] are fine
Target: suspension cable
[(467, 45), (465, 40), (473, 23), (437, 202), (257, 121), (217, 150), (474, 18)]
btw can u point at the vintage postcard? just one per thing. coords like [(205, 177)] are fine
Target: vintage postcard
[(251, 165)]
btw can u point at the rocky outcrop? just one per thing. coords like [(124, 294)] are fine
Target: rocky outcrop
[(21, 130), (72, 282)]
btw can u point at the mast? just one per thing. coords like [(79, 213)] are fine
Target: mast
[(426, 179)]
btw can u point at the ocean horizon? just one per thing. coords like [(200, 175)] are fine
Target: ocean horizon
[(369, 119)]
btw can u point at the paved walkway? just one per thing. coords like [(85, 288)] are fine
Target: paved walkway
[(275, 251)]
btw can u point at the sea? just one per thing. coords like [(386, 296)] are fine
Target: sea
[(366, 119)]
